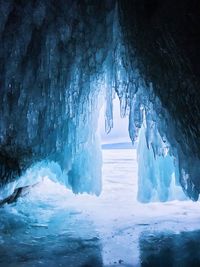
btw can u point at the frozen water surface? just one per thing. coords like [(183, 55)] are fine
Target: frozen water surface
[(53, 227)]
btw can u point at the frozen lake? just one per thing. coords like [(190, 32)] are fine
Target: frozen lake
[(53, 227)]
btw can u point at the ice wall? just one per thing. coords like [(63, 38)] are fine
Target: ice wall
[(51, 60)]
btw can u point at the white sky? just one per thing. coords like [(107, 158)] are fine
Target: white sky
[(119, 132)]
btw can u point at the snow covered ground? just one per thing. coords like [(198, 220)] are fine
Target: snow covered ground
[(53, 227)]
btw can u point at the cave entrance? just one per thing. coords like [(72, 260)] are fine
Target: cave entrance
[(120, 167)]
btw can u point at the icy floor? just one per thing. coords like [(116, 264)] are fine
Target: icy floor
[(53, 227)]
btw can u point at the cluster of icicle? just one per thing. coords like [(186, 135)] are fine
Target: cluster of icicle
[(164, 165)]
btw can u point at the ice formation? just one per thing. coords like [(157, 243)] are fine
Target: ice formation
[(158, 175), (59, 59), (51, 56)]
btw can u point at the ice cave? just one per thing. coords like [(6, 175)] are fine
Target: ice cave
[(99, 133)]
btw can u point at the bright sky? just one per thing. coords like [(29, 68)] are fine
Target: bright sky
[(119, 132)]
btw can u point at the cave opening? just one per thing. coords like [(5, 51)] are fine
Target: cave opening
[(60, 60)]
